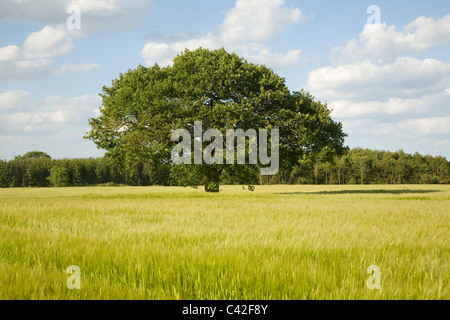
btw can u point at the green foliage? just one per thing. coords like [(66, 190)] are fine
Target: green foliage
[(363, 166), (59, 177), (4, 176), (142, 108), (25, 171), (36, 155)]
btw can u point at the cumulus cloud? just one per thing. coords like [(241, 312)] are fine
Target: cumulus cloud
[(21, 64), (96, 16), (382, 42), (53, 124), (279, 60), (427, 135), (257, 20), (9, 53), (161, 53), (408, 86), (407, 132), (404, 77), (368, 85), (15, 99), (380, 93), (245, 28), (436, 104), (21, 115), (425, 126), (55, 39), (31, 60), (48, 42)]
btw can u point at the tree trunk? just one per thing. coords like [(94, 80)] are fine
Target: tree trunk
[(316, 172), (212, 181)]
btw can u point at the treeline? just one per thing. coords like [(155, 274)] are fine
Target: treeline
[(357, 166), (37, 169), (364, 166)]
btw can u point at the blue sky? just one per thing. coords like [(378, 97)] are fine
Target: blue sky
[(387, 82)]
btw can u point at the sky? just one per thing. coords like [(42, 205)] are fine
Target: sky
[(382, 66)]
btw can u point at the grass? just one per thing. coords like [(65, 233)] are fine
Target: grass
[(279, 242)]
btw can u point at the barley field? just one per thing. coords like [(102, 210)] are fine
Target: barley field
[(278, 242)]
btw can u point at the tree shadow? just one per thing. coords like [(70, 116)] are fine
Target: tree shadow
[(399, 191)]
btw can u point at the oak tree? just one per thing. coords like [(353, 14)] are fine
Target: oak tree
[(142, 108)]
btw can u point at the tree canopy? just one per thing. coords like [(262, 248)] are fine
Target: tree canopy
[(142, 108), (36, 155)]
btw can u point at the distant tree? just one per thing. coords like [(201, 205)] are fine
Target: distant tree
[(59, 177), (77, 175), (4, 174), (37, 170), (90, 177), (339, 164), (36, 155)]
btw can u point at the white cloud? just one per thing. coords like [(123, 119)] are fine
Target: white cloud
[(29, 64), (437, 104), (15, 99), (163, 53), (79, 67), (9, 53), (426, 135), (381, 42), (425, 126), (49, 114), (96, 16), (244, 29), (407, 87), (72, 111), (111, 15), (257, 20), (402, 131), (157, 52), (48, 42), (382, 95), (54, 124), (282, 61), (39, 120), (21, 64), (404, 77), (31, 60), (411, 128)]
